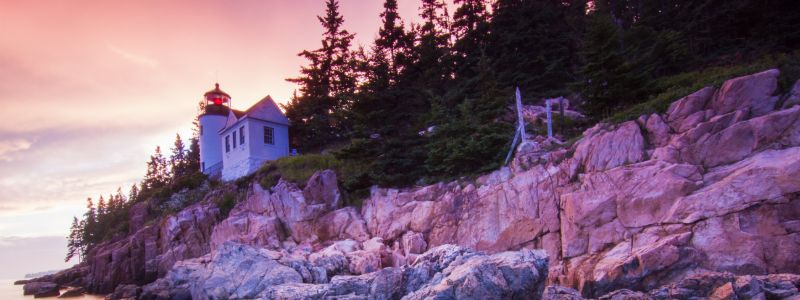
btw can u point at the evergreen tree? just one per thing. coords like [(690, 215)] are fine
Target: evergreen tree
[(432, 62), (393, 41), (609, 79), (75, 240), (157, 172), (178, 161), (133, 194), (532, 45), (470, 29), (477, 137), (102, 209), (90, 226), (193, 156), (326, 86)]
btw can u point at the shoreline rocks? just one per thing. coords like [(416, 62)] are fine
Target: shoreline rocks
[(41, 289), (659, 203), (444, 272)]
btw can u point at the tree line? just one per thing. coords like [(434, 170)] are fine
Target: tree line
[(108, 218), (430, 100)]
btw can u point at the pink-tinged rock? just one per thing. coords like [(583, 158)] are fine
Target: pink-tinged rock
[(583, 210), (362, 261), (137, 216), (287, 212), (724, 292), (390, 212), (741, 139), (764, 177), (658, 132), (754, 92), (605, 148), (249, 229), (345, 223), (751, 241), (623, 267), (374, 244), (690, 121), (322, 188), (690, 105), (649, 190), (413, 243), (793, 98), (606, 235)]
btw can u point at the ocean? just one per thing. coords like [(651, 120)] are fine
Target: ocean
[(9, 291)]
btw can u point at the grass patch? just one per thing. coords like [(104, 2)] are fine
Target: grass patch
[(672, 88)]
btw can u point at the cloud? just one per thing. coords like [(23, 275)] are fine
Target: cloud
[(10, 147), (134, 58)]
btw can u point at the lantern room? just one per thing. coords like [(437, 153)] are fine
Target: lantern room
[(217, 97)]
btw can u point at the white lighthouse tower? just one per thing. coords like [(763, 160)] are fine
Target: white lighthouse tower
[(212, 120)]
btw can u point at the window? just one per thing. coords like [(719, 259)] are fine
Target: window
[(203, 167), (241, 135), (227, 143), (234, 139), (269, 135), (201, 129)]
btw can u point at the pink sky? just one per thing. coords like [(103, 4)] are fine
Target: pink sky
[(89, 88)]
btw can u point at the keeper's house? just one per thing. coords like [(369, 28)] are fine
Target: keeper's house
[(236, 143)]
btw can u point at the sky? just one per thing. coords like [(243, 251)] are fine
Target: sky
[(89, 88)]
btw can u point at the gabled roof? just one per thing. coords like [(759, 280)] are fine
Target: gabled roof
[(265, 110)]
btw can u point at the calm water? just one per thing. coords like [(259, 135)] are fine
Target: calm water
[(9, 291)]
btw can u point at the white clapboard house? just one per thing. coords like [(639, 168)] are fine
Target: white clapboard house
[(236, 143)]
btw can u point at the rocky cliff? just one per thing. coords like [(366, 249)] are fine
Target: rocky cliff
[(705, 194)]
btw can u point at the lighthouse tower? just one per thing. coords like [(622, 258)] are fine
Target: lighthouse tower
[(212, 120)]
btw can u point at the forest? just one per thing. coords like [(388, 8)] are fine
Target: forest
[(432, 101)]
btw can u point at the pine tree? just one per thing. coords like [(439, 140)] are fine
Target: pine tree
[(432, 62), (133, 195), (532, 45), (477, 137), (610, 78), (326, 86), (178, 162), (102, 209), (75, 240), (393, 42), (90, 226), (193, 156), (157, 172), (470, 29)]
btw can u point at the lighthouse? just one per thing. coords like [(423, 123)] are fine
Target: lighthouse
[(236, 143), (212, 119)]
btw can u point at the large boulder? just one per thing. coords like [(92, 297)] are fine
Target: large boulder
[(605, 147), (40, 289), (688, 111), (754, 93)]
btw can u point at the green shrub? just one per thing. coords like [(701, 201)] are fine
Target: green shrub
[(226, 203)]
